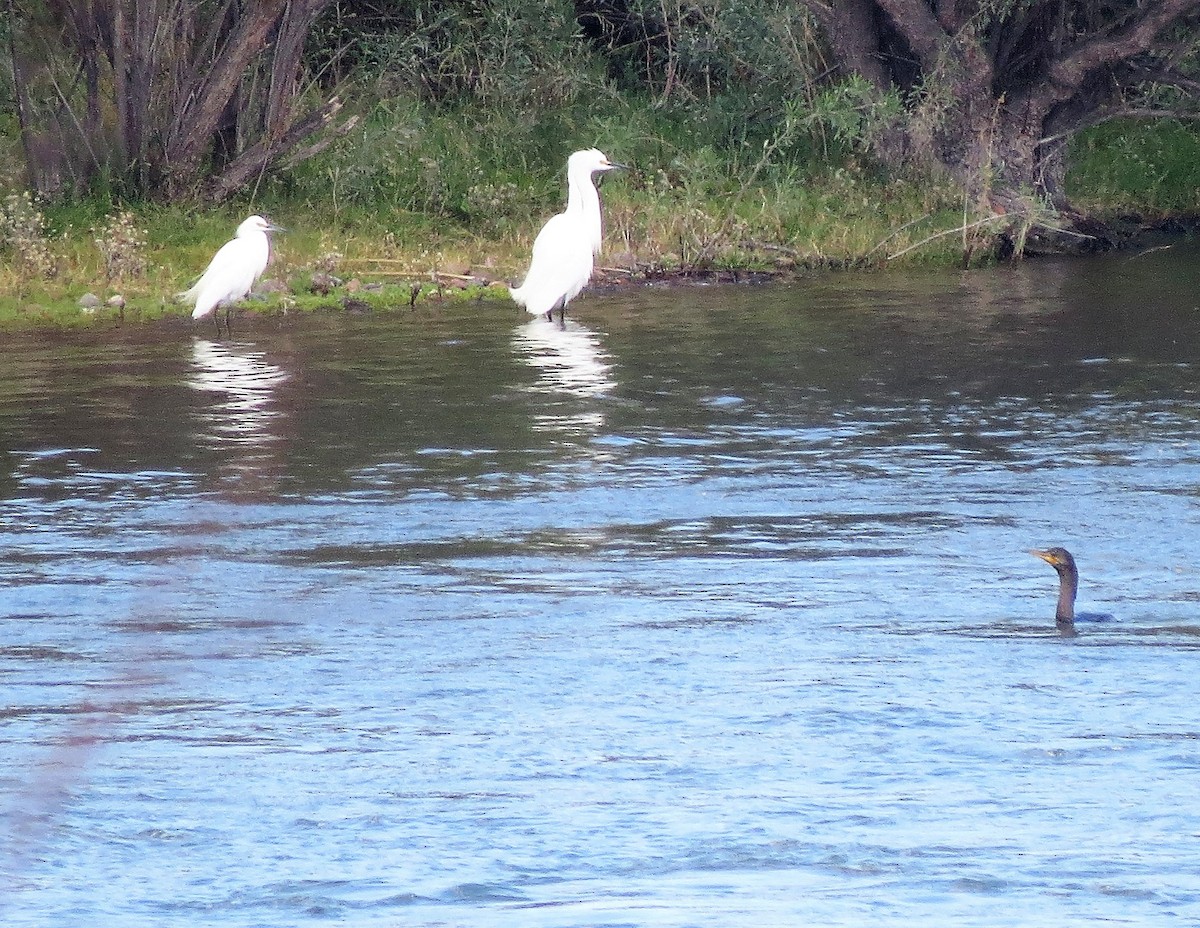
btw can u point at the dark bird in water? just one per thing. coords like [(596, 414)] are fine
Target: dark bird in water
[(1068, 585)]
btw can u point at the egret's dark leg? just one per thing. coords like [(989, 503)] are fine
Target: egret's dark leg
[(217, 321), (228, 320)]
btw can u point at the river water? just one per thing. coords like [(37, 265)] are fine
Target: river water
[(710, 607)]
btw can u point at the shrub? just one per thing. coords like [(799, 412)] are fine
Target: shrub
[(122, 247), (23, 232)]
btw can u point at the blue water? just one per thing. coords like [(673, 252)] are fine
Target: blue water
[(711, 607)]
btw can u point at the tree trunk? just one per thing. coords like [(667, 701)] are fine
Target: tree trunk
[(168, 92), (993, 92)]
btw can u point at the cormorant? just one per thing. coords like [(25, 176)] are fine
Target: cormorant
[(1068, 584)]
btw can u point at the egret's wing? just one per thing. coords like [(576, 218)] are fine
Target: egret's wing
[(561, 265), (230, 274), (222, 259)]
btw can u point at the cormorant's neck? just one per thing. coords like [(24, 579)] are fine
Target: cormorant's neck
[(1068, 583)]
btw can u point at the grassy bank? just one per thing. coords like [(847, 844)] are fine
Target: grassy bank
[(421, 203)]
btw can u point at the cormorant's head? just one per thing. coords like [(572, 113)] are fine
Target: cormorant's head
[(1058, 558)]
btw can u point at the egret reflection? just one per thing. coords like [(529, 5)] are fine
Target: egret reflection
[(567, 355), (571, 365), (244, 414)]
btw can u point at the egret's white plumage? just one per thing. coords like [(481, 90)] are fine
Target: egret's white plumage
[(234, 268), (564, 252)]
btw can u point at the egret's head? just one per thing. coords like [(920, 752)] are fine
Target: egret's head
[(591, 160), (257, 224)]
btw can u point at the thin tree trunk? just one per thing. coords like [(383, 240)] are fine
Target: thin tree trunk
[(254, 160), (126, 133), (20, 85), (198, 120)]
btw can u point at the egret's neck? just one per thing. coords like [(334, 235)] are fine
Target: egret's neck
[(583, 201), (259, 240)]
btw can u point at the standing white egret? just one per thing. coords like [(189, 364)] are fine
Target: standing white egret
[(233, 270), (564, 251)]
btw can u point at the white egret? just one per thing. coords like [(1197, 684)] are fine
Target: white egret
[(564, 252), (233, 270)]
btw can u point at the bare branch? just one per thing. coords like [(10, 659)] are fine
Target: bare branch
[(1068, 74), (1169, 77), (195, 125), (914, 20), (255, 159)]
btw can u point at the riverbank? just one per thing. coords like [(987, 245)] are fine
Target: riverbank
[(676, 215), (308, 274), (657, 225)]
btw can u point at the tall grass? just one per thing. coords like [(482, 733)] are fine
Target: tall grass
[(704, 188)]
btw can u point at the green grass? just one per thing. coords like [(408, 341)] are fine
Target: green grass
[(421, 195), (1142, 166)]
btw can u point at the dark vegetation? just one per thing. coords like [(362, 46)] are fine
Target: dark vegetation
[(995, 90)]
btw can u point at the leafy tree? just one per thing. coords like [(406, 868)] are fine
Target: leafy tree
[(994, 89), (161, 97), (697, 49)]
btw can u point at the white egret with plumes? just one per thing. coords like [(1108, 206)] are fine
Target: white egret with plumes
[(233, 270), (564, 252)]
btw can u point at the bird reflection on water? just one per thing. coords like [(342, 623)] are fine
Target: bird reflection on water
[(244, 415), (568, 357), (570, 362), (248, 381)]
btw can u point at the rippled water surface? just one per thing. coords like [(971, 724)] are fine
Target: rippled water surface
[(709, 607)]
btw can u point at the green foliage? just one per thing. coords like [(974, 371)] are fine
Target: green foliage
[(701, 192), (694, 50), (461, 164), (853, 113), (478, 104), (1141, 165), (517, 53)]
